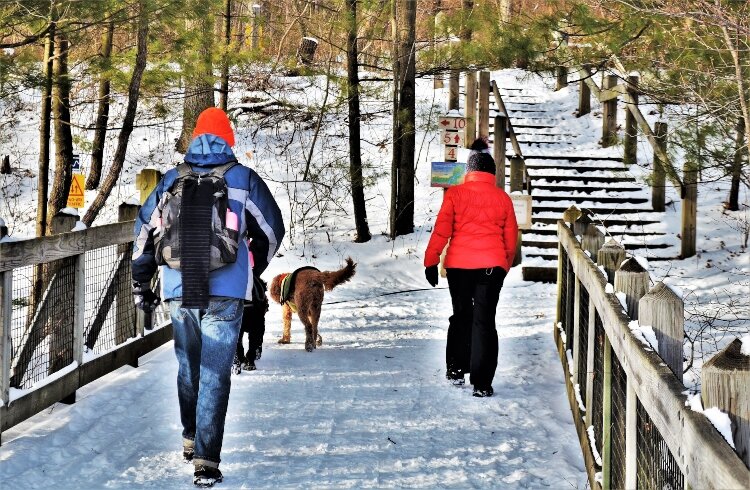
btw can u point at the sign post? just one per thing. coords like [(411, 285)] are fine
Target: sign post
[(76, 195), (452, 134), (522, 208)]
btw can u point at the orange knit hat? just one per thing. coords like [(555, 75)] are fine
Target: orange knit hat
[(214, 121)]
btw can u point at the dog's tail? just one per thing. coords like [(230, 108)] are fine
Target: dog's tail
[(331, 279)]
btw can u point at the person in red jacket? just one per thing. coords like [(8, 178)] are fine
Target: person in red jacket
[(478, 220)]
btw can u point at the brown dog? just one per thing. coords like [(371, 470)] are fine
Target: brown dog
[(306, 295)]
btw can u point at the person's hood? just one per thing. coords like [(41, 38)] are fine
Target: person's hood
[(209, 150)]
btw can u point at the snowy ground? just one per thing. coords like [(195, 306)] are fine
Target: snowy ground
[(370, 408)]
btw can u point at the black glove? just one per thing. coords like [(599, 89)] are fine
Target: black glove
[(144, 297), (431, 273)]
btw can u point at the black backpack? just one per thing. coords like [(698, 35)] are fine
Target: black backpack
[(223, 240)]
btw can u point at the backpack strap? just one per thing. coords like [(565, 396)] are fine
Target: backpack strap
[(220, 170)]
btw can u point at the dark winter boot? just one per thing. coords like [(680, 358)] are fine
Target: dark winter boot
[(206, 476), (188, 450), (236, 365), (455, 378), (482, 392), (248, 365)]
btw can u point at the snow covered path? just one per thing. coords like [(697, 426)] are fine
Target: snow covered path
[(370, 408)]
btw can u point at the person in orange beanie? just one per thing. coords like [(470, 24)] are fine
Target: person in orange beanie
[(200, 224)]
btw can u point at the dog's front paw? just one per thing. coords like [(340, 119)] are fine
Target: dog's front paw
[(309, 346), (319, 341), (282, 340)]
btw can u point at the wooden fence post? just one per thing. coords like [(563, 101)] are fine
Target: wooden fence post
[(125, 320), (633, 280), (658, 182), (470, 110), (145, 182), (725, 383), (571, 215), (607, 416), (689, 209), (663, 310), (498, 148), (517, 170), (584, 93), (610, 256), (62, 328), (561, 77), (5, 165), (631, 436), (582, 224), (609, 114), (453, 90), (516, 174), (592, 240), (6, 318), (484, 104), (630, 156), (306, 50)]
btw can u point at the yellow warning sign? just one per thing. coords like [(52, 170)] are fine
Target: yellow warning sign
[(75, 196)]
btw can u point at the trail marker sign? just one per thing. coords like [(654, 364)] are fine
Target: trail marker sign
[(76, 195), (452, 138), (451, 153), (522, 208), (452, 123)]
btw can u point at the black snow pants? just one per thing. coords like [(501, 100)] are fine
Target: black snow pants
[(472, 337)]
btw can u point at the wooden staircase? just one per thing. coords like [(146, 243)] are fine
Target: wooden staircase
[(567, 166)]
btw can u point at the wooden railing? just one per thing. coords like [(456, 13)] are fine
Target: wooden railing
[(628, 400), (67, 317), (614, 87)]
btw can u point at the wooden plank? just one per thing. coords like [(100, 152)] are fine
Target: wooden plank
[(6, 316), (35, 401), (55, 247), (590, 374), (80, 308), (588, 457), (701, 452), (631, 437), (511, 132), (470, 108), (607, 417), (484, 104)]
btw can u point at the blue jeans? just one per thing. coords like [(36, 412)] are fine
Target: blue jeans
[(205, 342)]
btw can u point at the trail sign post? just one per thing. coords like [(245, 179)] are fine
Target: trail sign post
[(452, 134), (76, 195)]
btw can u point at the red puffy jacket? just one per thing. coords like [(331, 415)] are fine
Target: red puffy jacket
[(479, 220)]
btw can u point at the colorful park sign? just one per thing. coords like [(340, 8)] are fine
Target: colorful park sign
[(447, 174)]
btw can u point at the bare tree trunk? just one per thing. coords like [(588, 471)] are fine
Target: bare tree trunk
[(199, 88), (396, 157), (63, 137), (102, 112), (355, 154), (743, 92), (739, 156), (406, 112), (127, 125), (224, 91), (44, 133)]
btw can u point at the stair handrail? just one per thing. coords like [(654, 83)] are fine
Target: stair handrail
[(511, 134)]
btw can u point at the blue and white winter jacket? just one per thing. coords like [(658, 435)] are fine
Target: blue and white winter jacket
[(249, 198)]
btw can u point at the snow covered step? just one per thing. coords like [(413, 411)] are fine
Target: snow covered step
[(562, 162), (579, 173), (610, 210), (630, 243), (570, 186), (616, 231), (611, 198), (627, 221)]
